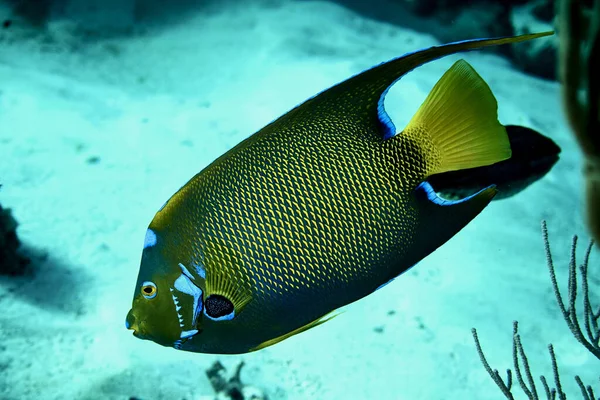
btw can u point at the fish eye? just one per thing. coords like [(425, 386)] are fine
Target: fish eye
[(149, 290)]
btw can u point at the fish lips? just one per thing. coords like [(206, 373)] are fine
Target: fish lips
[(131, 323)]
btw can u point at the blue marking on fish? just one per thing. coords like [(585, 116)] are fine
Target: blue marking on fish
[(150, 239), (186, 272), (434, 198), (163, 206), (200, 270), (387, 126), (227, 317)]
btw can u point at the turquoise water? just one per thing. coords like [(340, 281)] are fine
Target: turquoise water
[(106, 109)]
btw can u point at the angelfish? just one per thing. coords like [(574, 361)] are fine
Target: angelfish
[(316, 210)]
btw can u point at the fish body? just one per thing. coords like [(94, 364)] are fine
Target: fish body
[(314, 211)]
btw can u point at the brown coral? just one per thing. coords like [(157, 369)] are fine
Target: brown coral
[(579, 63)]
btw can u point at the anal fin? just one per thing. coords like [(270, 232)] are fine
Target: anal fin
[(306, 327), (440, 219)]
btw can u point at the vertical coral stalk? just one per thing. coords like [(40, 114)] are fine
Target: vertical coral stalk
[(579, 63)]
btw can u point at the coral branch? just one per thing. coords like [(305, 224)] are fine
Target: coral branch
[(591, 318)]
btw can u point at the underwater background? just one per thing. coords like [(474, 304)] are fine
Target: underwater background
[(108, 107)]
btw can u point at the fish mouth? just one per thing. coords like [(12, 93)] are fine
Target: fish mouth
[(132, 324)]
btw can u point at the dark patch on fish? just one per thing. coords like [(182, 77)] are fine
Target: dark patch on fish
[(533, 156)]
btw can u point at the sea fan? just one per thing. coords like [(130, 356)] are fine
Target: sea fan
[(589, 337)]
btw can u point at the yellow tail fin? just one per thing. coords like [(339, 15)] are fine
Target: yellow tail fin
[(458, 121)]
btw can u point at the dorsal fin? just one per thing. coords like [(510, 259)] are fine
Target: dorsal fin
[(362, 95)]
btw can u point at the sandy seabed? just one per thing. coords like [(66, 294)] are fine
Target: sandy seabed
[(96, 135)]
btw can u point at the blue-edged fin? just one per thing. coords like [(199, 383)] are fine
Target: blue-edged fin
[(457, 125), (362, 96), (439, 219), (306, 327)]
